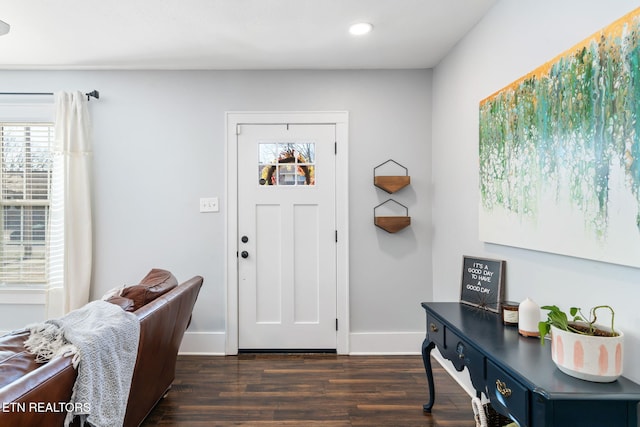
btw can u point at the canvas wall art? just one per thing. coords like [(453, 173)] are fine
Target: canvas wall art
[(560, 152)]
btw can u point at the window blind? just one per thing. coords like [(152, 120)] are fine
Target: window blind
[(25, 186)]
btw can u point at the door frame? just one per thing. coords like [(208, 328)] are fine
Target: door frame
[(341, 121)]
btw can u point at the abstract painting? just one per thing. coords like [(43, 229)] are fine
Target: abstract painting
[(560, 152)]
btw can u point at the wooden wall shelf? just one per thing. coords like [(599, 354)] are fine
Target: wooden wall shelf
[(391, 183), (392, 224)]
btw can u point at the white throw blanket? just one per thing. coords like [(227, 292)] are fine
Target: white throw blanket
[(103, 340)]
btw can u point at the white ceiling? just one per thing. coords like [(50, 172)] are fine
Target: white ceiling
[(232, 34)]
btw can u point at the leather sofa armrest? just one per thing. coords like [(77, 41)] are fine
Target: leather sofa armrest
[(28, 396)]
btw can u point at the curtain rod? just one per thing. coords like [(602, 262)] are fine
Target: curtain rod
[(93, 94)]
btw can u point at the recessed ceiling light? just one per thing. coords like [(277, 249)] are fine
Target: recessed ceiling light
[(4, 28), (360, 28)]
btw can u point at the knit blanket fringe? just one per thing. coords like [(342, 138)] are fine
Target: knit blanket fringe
[(47, 342)]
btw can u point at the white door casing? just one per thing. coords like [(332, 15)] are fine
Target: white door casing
[(308, 323)]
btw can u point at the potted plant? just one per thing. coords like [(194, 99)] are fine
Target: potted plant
[(582, 348)]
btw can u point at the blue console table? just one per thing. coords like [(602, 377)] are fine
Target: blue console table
[(518, 375)]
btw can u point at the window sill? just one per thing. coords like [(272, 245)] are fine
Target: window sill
[(15, 295)]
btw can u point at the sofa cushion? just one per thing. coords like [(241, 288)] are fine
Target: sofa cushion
[(15, 360), (126, 304), (154, 284)]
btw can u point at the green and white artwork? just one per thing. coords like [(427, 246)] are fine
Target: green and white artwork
[(560, 152)]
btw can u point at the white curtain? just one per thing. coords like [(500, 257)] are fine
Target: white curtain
[(70, 220)]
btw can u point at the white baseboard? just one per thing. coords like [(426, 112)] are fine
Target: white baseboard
[(360, 343), (385, 343), (203, 343)]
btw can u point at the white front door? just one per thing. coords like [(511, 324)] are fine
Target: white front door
[(286, 236)]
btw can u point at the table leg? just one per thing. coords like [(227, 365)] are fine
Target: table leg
[(427, 346)]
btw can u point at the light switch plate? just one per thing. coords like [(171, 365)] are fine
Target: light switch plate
[(209, 204)]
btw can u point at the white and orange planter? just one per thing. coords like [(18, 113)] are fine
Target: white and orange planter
[(591, 358)]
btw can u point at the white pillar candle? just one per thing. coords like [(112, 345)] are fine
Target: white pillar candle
[(528, 318)]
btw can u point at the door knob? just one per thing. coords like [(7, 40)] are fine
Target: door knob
[(244, 254), (244, 239)]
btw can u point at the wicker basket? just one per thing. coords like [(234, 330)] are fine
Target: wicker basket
[(486, 416)]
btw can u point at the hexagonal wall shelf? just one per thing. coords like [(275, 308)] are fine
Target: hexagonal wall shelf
[(391, 183)]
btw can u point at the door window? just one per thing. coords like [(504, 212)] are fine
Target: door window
[(287, 163)]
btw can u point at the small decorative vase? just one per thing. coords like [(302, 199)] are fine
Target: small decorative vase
[(528, 318), (591, 358)]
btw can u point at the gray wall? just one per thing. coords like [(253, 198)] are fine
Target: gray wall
[(514, 38), (159, 145)]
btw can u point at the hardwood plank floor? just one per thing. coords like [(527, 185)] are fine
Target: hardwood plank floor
[(309, 390)]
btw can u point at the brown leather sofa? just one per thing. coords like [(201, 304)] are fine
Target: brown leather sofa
[(36, 395)]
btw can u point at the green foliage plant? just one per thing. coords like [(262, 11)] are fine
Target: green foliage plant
[(578, 324)]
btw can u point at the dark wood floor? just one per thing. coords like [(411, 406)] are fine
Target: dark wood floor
[(309, 390)]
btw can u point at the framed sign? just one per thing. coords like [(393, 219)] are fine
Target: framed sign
[(482, 282)]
